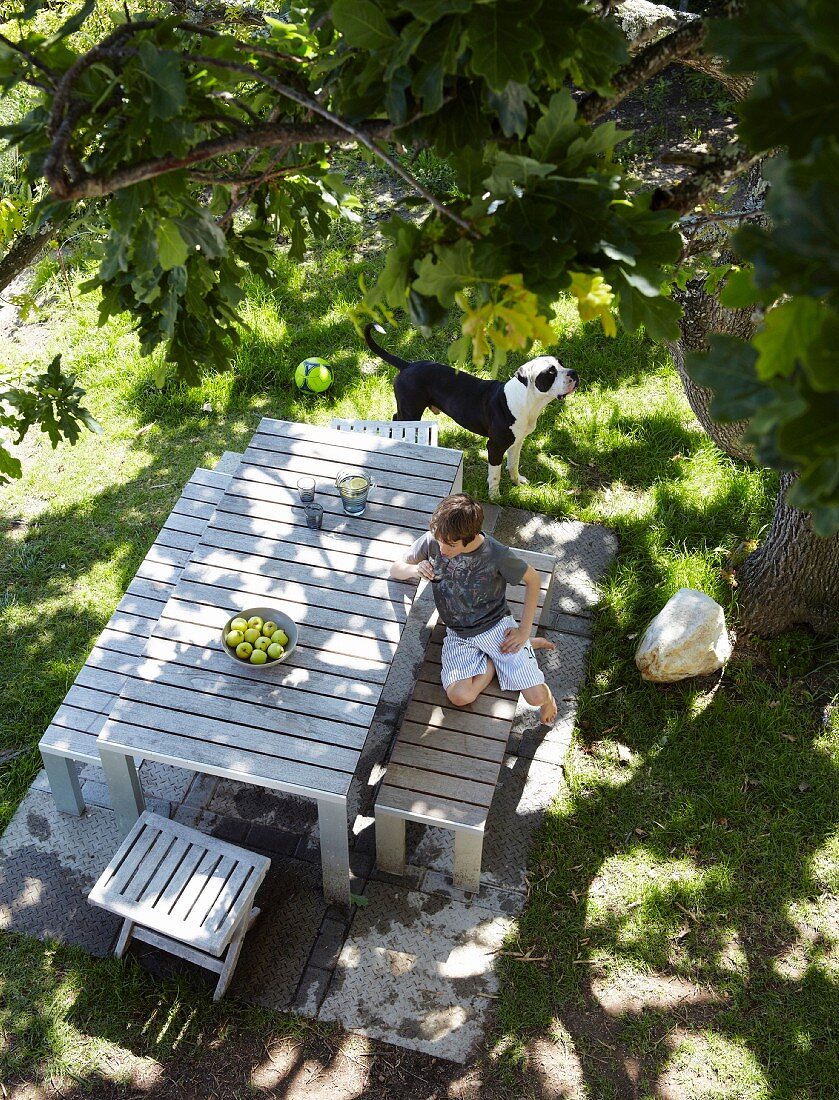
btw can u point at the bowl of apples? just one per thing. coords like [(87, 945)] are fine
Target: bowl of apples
[(259, 636)]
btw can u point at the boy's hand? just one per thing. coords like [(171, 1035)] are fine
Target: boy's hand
[(425, 569), (513, 640)]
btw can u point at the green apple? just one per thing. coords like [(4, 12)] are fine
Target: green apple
[(280, 637), (239, 624), (274, 650), (234, 637), (258, 657), (244, 650), (262, 643), (256, 622), (251, 634), (269, 628)]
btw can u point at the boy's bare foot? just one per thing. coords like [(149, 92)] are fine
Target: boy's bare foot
[(547, 711), (542, 643)]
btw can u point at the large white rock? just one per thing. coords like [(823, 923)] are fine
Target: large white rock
[(687, 637)]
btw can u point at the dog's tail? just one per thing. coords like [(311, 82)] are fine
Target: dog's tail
[(388, 357)]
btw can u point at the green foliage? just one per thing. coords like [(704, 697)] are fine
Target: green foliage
[(51, 400), (787, 382)]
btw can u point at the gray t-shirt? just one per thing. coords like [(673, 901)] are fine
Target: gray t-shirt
[(470, 590)]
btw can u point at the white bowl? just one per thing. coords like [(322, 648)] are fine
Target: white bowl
[(267, 614)]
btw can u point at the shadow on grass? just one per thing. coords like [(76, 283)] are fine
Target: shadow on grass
[(683, 897)]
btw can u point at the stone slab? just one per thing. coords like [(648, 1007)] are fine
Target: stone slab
[(49, 862), (418, 971), (278, 947), (584, 552)]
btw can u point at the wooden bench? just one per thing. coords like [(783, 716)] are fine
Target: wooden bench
[(70, 738), (446, 760), (411, 431), (183, 892)]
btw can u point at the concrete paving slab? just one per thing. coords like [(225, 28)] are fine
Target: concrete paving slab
[(279, 945), (584, 552), (49, 862), (417, 971)]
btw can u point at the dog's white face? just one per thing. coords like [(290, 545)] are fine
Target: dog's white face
[(545, 378)]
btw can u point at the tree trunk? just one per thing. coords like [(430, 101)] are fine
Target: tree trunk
[(25, 249), (704, 314), (792, 579)]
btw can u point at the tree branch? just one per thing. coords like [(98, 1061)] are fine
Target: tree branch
[(353, 131), (33, 61), (718, 169), (652, 59), (303, 134), (645, 65)]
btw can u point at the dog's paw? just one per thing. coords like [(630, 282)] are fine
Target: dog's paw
[(520, 480)]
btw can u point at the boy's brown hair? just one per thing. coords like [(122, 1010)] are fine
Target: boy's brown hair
[(458, 518)]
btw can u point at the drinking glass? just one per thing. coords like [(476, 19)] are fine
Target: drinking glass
[(306, 489), (314, 516)]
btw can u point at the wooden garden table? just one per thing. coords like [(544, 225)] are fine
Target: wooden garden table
[(299, 726)]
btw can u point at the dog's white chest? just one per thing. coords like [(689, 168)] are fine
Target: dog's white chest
[(523, 409)]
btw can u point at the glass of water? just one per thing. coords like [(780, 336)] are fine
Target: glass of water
[(306, 489), (314, 516)]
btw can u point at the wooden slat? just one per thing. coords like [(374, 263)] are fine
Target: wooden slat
[(394, 531), (75, 745), (306, 565), (226, 903), (494, 706), (323, 629), (266, 588), (374, 447), (224, 722), (433, 784), (78, 722), (448, 740), (412, 431), (275, 698), (449, 717), (431, 811), (423, 478), (199, 647), (446, 763), (208, 866), (201, 754), (277, 491)]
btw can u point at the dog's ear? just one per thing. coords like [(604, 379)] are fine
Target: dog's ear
[(521, 375)]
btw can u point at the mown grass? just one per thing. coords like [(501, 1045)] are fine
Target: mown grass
[(684, 882)]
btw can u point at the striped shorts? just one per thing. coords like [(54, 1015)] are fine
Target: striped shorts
[(463, 658)]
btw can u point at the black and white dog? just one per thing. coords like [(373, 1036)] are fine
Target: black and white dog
[(505, 412)]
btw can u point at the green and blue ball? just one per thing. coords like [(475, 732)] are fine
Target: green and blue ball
[(313, 376)]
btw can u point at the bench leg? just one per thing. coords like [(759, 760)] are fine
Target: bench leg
[(234, 949), (468, 849), (125, 932), (63, 776), (390, 843)]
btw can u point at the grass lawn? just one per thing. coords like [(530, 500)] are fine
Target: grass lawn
[(684, 886)]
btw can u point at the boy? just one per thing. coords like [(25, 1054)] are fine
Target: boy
[(469, 573)]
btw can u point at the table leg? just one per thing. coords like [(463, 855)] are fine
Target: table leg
[(457, 486), (63, 775), (335, 851), (124, 787)]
